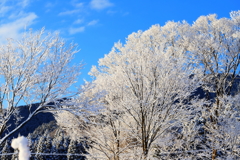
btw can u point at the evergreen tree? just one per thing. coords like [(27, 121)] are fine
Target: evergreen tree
[(72, 149), (66, 144), (15, 156), (6, 149), (30, 143), (76, 147), (54, 149), (33, 147), (48, 144), (59, 147), (41, 147), (81, 149)]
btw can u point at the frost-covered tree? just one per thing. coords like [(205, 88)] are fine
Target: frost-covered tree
[(6, 150), (223, 136), (49, 146), (214, 45), (73, 149), (74, 121), (148, 93), (60, 145), (41, 147), (34, 69), (147, 84), (109, 139), (15, 154), (70, 123)]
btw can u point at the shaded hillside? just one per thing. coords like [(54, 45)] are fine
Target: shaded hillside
[(32, 124), (234, 89)]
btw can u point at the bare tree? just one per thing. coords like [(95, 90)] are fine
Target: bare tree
[(34, 69)]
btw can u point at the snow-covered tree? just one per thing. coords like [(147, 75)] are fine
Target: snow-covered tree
[(15, 154), (109, 139), (72, 149), (214, 46), (148, 93), (223, 136), (147, 84), (41, 147), (74, 121), (6, 149), (60, 145), (34, 69), (49, 146), (70, 123)]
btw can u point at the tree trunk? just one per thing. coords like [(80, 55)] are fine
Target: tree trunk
[(214, 154)]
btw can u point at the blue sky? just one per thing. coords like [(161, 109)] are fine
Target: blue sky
[(97, 24)]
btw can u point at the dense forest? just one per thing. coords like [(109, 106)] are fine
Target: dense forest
[(170, 92)]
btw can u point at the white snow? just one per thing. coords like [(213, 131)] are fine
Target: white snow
[(21, 143)]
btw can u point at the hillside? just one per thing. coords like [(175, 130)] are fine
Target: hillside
[(35, 122)]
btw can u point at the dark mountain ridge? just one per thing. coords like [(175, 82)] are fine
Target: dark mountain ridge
[(36, 121)]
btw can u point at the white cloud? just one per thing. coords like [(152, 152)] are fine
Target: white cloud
[(4, 10), (49, 5), (24, 3), (93, 22), (11, 5), (125, 13), (14, 19), (12, 8), (76, 30), (15, 28), (100, 4), (70, 12), (111, 12), (75, 3), (78, 21), (78, 5)]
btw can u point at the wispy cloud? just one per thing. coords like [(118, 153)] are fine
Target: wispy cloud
[(69, 12), (14, 29), (93, 22), (111, 12), (78, 21), (4, 10), (13, 9), (77, 4), (49, 5), (17, 18), (11, 5), (77, 7), (24, 3), (100, 4), (76, 30), (81, 23)]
